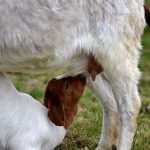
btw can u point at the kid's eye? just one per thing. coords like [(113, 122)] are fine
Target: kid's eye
[(67, 85)]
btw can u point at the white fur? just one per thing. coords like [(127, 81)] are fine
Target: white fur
[(111, 123), (42, 35), (24, 124)]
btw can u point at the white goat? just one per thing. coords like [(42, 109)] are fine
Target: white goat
[(25, 124), (41, 35)]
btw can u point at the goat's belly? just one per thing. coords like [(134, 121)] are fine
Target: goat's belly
[(35, 66), (73, 64)]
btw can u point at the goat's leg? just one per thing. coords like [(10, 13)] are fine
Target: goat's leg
[(124, 84), (111, 122), (129, 105)]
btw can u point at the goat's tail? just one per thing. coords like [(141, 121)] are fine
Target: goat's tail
[(147, 14)]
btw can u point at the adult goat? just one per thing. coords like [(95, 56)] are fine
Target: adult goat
[(43, 35)]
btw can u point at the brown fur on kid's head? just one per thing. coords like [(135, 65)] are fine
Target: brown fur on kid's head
[(147, 14), (62, 97)]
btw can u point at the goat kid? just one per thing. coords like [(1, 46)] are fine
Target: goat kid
[(25, 124), (43, 35)]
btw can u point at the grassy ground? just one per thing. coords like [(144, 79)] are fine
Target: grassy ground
[(84, 132)]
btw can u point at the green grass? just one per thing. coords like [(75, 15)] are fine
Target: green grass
[(85, 131)]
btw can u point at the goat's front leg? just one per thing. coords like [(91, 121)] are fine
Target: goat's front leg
[(111, 122)]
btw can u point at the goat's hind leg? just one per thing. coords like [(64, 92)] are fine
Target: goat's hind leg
[(111, 123), (124, 83), (129, 105)]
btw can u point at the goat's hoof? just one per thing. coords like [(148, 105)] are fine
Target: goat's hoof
[(106, 147)]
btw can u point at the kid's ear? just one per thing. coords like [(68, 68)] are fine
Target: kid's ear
[(56, 113), (56, 110)]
